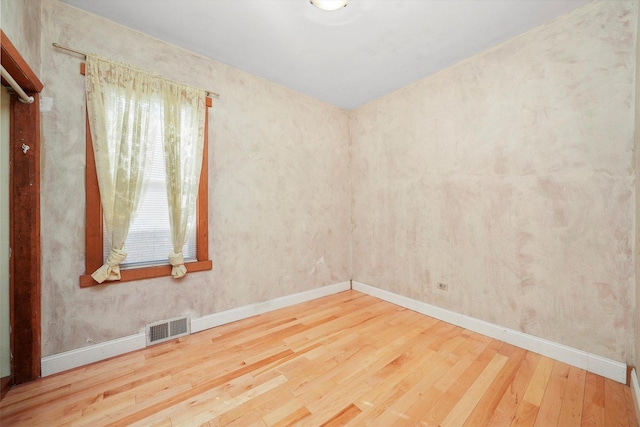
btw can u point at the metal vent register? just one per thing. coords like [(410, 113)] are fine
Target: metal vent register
[(165, 330)]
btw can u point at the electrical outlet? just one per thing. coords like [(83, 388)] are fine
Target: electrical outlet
[(443, 286)]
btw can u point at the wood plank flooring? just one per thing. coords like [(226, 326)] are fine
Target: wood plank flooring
[(347, 359)]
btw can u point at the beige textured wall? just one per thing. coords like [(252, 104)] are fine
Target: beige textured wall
[(20, 21), (510, 177), (636, 362), (278, 186)]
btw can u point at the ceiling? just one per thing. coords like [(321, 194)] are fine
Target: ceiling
[(347, 57)]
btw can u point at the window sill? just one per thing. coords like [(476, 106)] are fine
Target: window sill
[(130, 275)]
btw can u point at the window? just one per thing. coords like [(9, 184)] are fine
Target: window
[(149, 238), (146, 255)]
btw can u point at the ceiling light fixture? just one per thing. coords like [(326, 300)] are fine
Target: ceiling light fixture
[(329, 5)]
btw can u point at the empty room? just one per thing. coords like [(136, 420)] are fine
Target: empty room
[(325, 212)]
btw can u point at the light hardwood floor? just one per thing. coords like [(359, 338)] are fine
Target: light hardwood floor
[(345, 359)]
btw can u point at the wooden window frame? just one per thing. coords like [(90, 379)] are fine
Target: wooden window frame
[(94, 239)]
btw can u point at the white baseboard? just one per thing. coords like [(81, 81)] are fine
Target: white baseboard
[(635, 392), (83, 356), (224, 317), (581, 359), (602, 366)]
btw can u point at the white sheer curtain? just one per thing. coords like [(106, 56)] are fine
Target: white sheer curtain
[(120, 101), (184, 115)]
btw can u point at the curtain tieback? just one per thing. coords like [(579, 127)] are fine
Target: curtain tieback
[(110, 270), (177, 261)]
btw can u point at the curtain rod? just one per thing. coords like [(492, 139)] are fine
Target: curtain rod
[(24, 98), (208, 92)]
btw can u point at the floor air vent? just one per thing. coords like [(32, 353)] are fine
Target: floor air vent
[(165, 330)]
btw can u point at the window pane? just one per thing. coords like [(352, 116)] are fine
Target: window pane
[(149, 239)]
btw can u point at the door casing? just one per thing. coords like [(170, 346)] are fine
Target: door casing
[(24, 239)]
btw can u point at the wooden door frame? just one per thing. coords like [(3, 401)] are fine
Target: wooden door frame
[(24, 206)]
